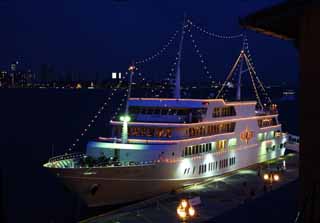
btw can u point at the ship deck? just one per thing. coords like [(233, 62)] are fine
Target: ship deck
[(219, 196)]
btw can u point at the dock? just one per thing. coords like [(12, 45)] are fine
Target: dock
[(218, 195)]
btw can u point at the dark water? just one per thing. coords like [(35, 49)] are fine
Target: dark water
[(31, 121)]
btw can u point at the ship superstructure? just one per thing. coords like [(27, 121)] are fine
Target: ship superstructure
[(171, 143)]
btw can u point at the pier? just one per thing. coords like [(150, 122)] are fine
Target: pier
[(241, 189)]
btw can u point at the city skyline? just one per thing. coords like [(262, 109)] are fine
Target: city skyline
[(106, 37)]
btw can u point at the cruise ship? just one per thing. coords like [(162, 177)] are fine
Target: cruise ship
[(171, 143), (162, 144)]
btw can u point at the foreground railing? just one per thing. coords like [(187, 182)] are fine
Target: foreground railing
[(66, 156)]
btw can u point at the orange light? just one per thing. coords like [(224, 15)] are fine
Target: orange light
[(184, 203), (266, 176), (191, 211), (181, 212), (276, 177)]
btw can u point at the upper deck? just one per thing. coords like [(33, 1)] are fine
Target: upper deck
[(188, 118), (171, 110)]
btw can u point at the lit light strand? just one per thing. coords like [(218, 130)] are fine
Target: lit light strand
[(253, 83), (95, 116), (170, 78), (200, 55), (159, 52), (212, 34), (229, 75), (251, 64), (122, 103)]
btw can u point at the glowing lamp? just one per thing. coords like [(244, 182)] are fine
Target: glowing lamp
[(276, 177), (132, 68), (191, 211), (266, 176), (184, 203), (125, 118), (181, 212)]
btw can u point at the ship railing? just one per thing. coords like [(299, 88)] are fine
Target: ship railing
[(263, 113), (66, 156), (293, 139)]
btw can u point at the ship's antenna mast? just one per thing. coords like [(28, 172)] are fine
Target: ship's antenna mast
[(132, 68), (178, 69), (238, 96), (126, 118)]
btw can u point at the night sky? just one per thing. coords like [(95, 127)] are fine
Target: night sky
[(90, 36)]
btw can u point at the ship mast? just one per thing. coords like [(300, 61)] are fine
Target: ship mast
[(178, 68), (126, 118), (238, 96)]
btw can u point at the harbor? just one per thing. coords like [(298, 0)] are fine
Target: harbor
[(218, 195)]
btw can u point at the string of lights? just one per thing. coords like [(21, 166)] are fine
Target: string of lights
[(200, 55), (95, 116), (121, 105), (251, 64), (254, 85), (229, 75), (159, 52), (122, 101), (212, 34), (169, 79)]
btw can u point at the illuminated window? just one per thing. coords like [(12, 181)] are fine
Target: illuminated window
[(221, 144), (266, 122), (232, 142), (271, 134), (278, 134), (223, 111), (260, 136)]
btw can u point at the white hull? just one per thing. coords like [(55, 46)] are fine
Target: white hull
[(116, 185)]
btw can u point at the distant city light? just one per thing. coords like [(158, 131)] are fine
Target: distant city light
[(116, 75)]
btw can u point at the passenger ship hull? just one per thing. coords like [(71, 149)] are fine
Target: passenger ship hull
[(117, 185)]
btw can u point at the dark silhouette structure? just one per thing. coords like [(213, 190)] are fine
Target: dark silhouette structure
[(299, 21), (3, 195)]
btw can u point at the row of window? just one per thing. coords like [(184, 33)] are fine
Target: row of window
[(223, 111), (211, 129), (266, 122), (212, 166), (274, 147), (150, 132), (266, 135), (197, 149), (208, 147), (165, 111)]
